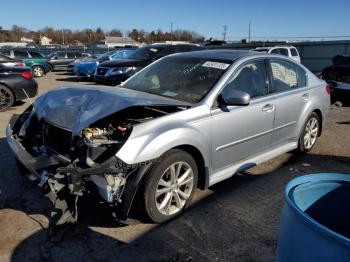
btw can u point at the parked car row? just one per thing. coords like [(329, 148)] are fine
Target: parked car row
[(88, 67), (38, 62), (114, 67), (31, 58), (188, 120)]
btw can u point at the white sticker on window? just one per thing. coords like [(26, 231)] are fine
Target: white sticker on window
[(154, 50), (216, 65)]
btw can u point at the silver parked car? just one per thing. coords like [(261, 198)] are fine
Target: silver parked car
[(187, 121)]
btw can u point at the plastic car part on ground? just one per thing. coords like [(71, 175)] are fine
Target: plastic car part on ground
[(315, 219)]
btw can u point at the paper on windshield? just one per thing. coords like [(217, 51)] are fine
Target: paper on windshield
[(217, 65)]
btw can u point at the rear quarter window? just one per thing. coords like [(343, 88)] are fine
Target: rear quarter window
[(21, 54), (302, 79)]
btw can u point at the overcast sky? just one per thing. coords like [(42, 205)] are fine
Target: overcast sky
[(270, 19)]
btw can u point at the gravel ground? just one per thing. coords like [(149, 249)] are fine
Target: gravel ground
[(236, 220)]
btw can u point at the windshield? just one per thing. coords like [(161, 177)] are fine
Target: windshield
[(105, 56), (145, 53), (182, 78)]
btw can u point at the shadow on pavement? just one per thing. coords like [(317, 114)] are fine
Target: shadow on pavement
[(74, 79), (235, 220)]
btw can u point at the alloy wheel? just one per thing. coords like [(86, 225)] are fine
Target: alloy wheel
[(174, 188), (310, 133), (38, 71)]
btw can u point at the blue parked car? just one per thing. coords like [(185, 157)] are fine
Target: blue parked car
[(87, 68)]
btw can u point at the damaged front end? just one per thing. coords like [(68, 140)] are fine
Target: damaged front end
[(64, 161)]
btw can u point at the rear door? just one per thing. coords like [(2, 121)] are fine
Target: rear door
[(291, 97), (240, 132)]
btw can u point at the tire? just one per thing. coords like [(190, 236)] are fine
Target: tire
[(7, 98), (172, 197), (309, 133), (38, 71)]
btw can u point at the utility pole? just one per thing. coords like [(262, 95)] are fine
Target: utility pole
[(224, 33), (249, 33), (171, 32), (62, 37)]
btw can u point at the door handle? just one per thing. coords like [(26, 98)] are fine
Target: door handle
[(305, 97), (268, 108)]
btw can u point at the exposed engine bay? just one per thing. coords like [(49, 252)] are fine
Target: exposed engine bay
[(69, 163)]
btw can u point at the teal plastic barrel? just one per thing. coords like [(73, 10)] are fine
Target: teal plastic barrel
[(315, 222)]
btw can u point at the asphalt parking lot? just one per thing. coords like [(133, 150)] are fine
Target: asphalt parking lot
[(235, 220)]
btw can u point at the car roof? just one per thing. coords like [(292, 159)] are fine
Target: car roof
[(218, 54)]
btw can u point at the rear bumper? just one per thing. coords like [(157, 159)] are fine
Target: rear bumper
[(24, 88), (342, 95)]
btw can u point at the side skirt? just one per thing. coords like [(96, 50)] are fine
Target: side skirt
[(251, 162)]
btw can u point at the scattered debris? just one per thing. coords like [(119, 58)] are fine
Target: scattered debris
[(338, 103), (306, 164)]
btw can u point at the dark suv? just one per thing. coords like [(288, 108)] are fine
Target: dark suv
[(61, 59), (115, 72)]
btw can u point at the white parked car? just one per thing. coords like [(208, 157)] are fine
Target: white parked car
[(289, 51)]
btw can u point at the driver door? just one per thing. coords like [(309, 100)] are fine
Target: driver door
[(240, 132)]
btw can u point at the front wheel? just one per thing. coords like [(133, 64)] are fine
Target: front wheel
[(38, 71), (310, 133), (169, 186)]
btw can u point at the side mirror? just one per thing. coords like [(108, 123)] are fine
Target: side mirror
[(233, 97)]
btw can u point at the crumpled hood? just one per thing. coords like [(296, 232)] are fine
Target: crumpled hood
[(76, 108)]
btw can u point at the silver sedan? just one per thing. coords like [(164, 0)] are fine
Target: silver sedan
[(186, 121)]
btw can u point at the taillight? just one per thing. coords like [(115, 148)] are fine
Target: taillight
[(27, 75), (328, 89), (19, 63)]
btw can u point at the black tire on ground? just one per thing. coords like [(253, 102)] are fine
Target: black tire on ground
[(303, 147), (152, 180), (38, 71), (7, 98)]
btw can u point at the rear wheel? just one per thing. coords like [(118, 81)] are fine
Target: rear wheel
[(169, 186), (310, 133), (38, 71), (7, 98)]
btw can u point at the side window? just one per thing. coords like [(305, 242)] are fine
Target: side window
[(275, 51), (61, 55), (250, 78), (21, 54), (166, 51), (70, 55), (284, 51), (284, 77), (6, 52), (294, 52), (35, 54), (301, 77)]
